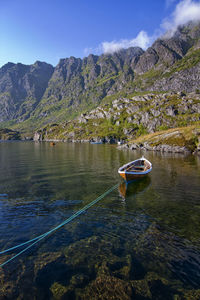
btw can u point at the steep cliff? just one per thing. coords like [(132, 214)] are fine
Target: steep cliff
[(21, 89)]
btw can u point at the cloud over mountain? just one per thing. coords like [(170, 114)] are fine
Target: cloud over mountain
[(185, 11), (142, 40)]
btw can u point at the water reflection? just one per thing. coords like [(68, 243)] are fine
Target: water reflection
[(134, 187)]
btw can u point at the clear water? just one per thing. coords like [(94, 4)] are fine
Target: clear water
[(139, 242)]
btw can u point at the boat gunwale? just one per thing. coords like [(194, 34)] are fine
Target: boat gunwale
[(133, 172)]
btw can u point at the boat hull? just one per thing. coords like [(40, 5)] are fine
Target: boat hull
[(129, 177), (136, 169)]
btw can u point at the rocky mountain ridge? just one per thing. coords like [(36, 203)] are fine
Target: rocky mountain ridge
[(37, 95)]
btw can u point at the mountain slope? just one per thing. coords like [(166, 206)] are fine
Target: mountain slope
[(171, 63), (81, 84), (167, 50), (127, 118), (36, 95)]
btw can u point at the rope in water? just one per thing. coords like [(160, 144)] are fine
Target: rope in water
[(42, 236)]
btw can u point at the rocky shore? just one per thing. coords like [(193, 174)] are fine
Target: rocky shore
[(178, 140), (173, 141), (161, 148)]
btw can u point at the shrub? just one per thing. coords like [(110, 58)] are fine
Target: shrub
[(197, 91)]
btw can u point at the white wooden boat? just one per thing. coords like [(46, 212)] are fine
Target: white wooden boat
[(135, 169)]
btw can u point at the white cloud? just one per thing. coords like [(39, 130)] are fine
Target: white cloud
[(185, 11), (141, 40)]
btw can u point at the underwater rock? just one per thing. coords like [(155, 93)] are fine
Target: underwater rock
[(58, 290), (107, 287), (44, 259), (100, 259), (189, 295), (155, 287), (141, 288)]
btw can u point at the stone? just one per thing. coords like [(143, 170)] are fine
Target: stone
[(37, 137)]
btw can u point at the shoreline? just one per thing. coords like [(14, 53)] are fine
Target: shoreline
[(173, 140), (163, 148)]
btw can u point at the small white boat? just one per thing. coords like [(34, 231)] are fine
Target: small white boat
[(135, 169)]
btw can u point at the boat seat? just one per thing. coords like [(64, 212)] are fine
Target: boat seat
[(135, 169)]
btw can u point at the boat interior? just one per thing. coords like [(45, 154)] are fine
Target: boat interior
[(137, 166)]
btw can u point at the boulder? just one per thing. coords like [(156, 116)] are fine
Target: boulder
[(37, 137)]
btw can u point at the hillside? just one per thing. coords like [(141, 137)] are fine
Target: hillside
[(32, 97), (125, 119)]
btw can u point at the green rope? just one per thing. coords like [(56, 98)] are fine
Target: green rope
[(42, 236)]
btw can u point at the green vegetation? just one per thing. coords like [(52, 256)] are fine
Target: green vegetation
[(78, 86), (188, 61), (182, 137), (103, 80), (162, 127), (150, 76), (127, 118), (7, 134), (141, 130)]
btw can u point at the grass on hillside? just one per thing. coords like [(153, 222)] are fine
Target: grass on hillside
[(180, 136)]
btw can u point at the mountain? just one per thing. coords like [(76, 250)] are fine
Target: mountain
[(171, 63), (167, 50), (36, 95), (80, 84), (22, 88)]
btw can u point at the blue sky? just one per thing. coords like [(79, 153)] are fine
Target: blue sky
[(48, 30)]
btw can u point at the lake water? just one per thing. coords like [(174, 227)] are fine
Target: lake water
[(139, 242)]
